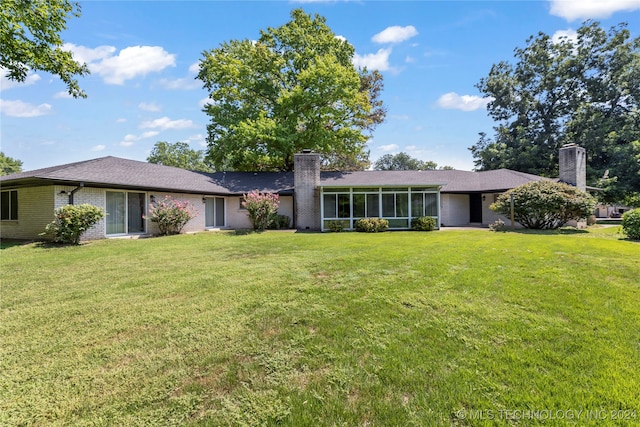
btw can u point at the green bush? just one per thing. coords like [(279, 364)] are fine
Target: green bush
[(72, 221), (372, 225), (335, 226), (280, 222), (631, 224), (545, 204), (423, 223)]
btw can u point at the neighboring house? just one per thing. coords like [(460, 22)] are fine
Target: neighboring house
[(311, 198)]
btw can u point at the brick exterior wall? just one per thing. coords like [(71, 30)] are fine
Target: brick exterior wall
[(573, 166), (35, 211), (307, 191)]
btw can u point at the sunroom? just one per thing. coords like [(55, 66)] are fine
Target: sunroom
[(398, 205)]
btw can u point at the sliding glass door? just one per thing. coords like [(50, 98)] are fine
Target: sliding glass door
[(125, 212), (214, 212)]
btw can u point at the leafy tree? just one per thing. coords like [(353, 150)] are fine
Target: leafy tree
[(30, 39), (545, 204), (9, 165), (294, 88), (402, 162), (585, 92), (179, 155)]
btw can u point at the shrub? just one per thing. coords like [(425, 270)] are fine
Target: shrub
[(372, 225), (335, 226), (631, 224), (171, 215), (545, 204), (280, 222), (423, 223), (72, 221), (497, 225), (262, 208)]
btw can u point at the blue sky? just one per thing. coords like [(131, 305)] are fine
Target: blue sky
[(144, 54)]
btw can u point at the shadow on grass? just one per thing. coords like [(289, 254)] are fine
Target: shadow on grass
[(564, 230), (6, 244)]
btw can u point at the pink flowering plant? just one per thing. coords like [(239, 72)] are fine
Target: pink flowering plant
[(262, 208), (171, 215)]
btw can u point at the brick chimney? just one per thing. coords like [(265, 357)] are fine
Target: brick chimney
[(306, 181), (573, 166)]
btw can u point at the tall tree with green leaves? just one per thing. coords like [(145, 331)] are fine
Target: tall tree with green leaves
[(584, 91), (9, 165), (30, 40), (179, 155), (294, 88), (403, 162)]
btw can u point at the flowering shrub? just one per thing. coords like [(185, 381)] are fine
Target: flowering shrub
[(545, 204), (631, 224), (497, 225), (262, 208), (72, 221), (171, 215)]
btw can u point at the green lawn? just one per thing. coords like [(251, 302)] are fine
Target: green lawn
[(347, 329)]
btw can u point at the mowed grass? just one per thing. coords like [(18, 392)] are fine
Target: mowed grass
[(346, 329)]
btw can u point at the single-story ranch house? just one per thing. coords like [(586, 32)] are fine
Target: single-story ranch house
[(310, 197)]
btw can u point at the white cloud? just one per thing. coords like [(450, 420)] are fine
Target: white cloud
[(373, 61), (23, 109), (121, 120), (62, 95), (129, 63), (569, 35), (395, 34), (185, 83), (165, 123), (205, 101), (99, 147), (194, 68), (390, 147), (5, 83), (586, 9), (149, 106), (129, 139), (453, 101), (409, 59)]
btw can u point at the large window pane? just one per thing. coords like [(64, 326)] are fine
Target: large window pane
[(417, 205), (135, 205), (359, 206), (116, 209), (5, 205), (388, 205), (344, 206), (373, 205), (209, 212), (402, 204), (431, 204), (219, 221), (330, 208)]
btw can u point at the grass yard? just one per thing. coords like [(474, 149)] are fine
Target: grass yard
[(466, 328)]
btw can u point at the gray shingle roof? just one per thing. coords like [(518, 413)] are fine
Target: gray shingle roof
[(114, 172), (122, 173), (452, 181)]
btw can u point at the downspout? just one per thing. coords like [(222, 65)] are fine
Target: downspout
[(74, 191)]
